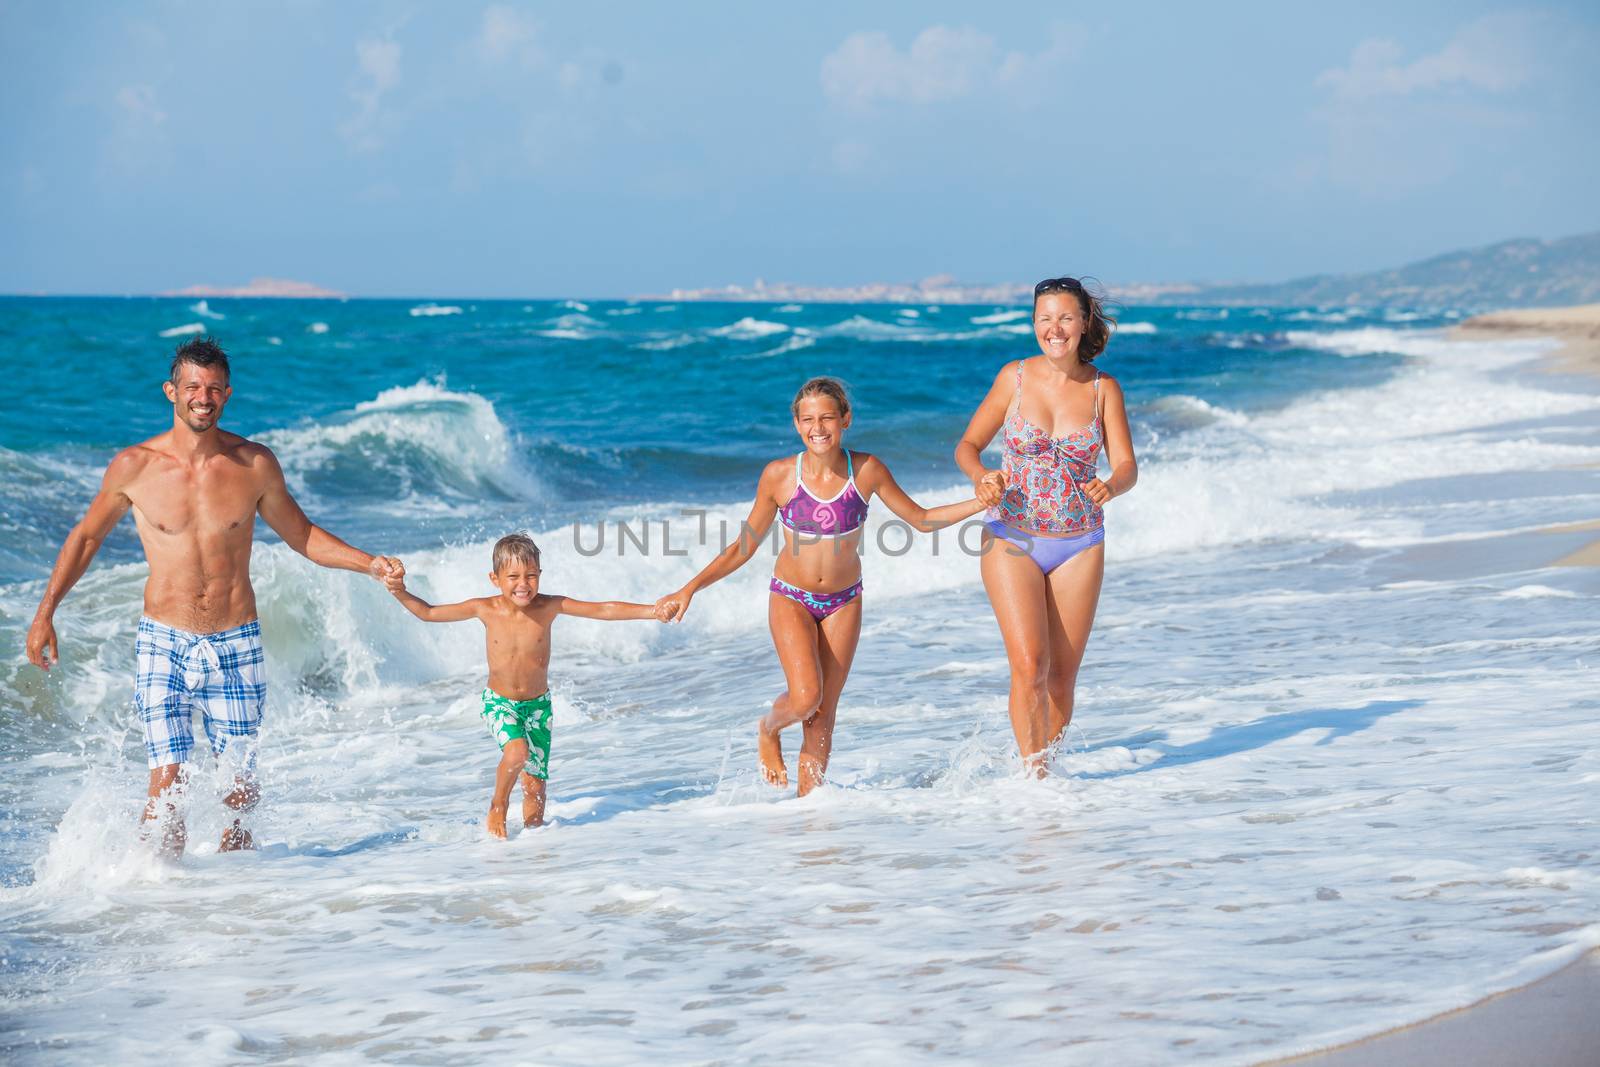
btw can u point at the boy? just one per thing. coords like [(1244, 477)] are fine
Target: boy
[(516, 705)]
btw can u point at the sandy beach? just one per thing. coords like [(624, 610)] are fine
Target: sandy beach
[(1578, 328), (1550, 1021)]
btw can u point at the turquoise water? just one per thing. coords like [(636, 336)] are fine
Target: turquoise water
[(1332, 768)]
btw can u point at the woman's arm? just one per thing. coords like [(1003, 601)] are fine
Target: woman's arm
[(738, 553), (1119, 445), (875, 478), (988, 484)]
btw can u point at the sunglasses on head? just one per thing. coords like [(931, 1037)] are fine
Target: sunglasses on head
[(1058, 285)]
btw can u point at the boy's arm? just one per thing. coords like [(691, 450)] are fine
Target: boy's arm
[(609, 610), (466, 609)]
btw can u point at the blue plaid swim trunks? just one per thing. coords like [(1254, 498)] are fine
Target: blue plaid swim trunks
[(223, 674)]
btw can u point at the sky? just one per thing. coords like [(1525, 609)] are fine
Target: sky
[(612, 150)]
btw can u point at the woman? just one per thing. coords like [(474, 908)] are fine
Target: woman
[(1044, 552), (814, 605)]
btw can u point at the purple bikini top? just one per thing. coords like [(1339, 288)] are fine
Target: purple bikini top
[(841, 514)]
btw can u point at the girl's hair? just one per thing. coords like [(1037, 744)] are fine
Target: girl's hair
[(823, 386), (1098, 327), (517, 547)]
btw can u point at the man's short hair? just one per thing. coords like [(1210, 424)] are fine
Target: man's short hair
[(202, 352), (518, 547)]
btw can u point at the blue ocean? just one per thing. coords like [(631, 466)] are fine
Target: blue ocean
[(1332, 769)]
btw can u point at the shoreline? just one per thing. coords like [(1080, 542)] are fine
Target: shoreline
[(1577, 328), (1549, 1021)]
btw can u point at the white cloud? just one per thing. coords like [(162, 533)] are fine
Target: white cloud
[(138, 105), (507, 34), (941, 63), (1493, 54), (378, 59)]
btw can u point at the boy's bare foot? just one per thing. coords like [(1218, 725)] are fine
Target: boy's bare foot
[(811, 771), (497, 822), (236, 839), (531, 821), (770, 749)]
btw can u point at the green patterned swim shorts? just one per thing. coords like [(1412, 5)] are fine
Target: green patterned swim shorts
[(521, 720)]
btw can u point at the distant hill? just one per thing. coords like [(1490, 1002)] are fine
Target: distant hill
[(1523, 272)]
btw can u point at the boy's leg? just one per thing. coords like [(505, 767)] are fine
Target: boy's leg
[(512, 758), (532, 800)]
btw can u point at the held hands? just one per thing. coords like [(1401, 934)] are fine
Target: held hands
[(42, 636), (674, 606), (388, 570), (989, 487)]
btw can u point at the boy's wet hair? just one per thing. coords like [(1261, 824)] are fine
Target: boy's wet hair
[(515, 548), (823, 386), (201, 352)]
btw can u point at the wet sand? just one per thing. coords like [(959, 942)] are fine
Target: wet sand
[(1552, 1022), (1577, 328)]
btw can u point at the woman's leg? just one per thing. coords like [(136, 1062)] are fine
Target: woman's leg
[(1073, 594), (1016, 588), (837, 638), (794, 636)]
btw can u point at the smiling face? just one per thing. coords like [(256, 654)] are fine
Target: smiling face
[(198, 395), (1058, 324), (517, 580), (820, 425)]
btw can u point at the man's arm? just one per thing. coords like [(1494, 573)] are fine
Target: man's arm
[(78, 550), (281, 512)]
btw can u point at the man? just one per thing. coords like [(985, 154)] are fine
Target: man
[(195, 492)]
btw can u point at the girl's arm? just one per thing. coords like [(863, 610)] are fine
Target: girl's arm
[(467, 609), (1119, 445), (875, 478), (609, 610), (988, 484), (774, 479)]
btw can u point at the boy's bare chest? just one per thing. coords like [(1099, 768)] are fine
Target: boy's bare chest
[(519, 640)]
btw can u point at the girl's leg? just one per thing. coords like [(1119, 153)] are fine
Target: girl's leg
[(532, 800), (512, 758), (1074, 593), (794, 635), (1016, 588), (837, 637)]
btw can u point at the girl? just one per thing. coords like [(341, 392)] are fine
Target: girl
[(820, 497)]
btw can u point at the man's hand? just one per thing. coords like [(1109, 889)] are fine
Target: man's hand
[(386, 569), (42, 636)]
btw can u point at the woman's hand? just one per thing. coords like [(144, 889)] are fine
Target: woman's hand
[(1097, 491), (674, 606), (990, 487)]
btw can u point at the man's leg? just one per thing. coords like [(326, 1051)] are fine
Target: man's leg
[(233, 699), (163, 807)]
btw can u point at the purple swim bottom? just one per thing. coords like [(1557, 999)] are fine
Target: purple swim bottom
[(1048, 552), (821, 605)]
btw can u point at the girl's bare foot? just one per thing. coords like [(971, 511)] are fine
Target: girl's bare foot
[(811, 771), (770, 749), (497, 822), (236, 839)]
